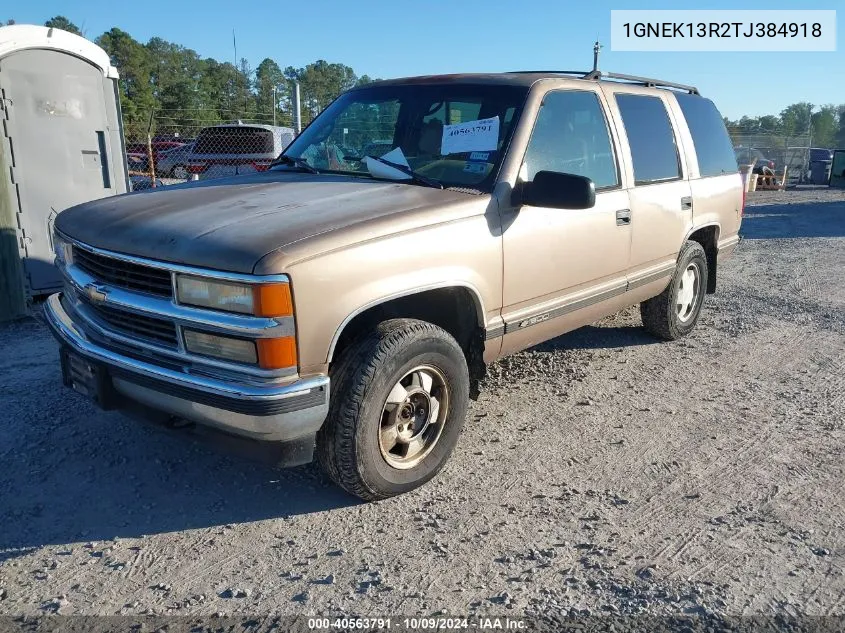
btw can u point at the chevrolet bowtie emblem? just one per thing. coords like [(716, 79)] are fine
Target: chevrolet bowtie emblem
[(94, 293)]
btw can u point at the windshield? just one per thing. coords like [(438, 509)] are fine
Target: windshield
[(454, 134)]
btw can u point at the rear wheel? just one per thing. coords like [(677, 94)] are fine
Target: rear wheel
[(399, 398), (674, 312), (180, 172)]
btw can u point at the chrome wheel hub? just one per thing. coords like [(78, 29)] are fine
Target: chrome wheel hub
[(413, 417)]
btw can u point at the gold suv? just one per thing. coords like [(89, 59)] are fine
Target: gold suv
[(345, 302)]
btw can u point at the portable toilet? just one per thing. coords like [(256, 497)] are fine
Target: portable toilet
[(61, 144)]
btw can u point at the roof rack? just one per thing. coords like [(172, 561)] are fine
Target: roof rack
[(580, 73), (642, 81), (598, 74)]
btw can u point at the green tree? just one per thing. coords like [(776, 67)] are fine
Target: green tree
[(768, 124), (321, 82), (61, 22), (749, 125), (825, 125), (795, 119), (133, 63), (270, 89)]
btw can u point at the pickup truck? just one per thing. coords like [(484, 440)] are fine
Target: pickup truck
[(345, 305)]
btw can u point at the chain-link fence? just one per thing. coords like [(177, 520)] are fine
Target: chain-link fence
[(776, 151), (197, 144)]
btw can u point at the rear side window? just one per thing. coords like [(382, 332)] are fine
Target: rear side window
[(712, 144), (235, 140), (650, 137)]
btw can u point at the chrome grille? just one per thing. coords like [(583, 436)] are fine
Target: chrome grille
[(134, 325), (123, 274)]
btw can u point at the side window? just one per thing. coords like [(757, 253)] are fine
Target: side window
[(571, 136), (651, 138), (713, 146)]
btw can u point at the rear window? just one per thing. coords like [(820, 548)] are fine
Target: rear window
[(235, 140), (650, 137), (709, 136)]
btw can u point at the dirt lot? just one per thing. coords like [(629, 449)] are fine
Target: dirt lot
[(600, 473)]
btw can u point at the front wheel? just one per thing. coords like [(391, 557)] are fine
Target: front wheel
[(399, 399), (180, 172), (674, 312)]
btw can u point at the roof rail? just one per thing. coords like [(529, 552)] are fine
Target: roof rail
[(580, 73), (598, 74), (643, 81)]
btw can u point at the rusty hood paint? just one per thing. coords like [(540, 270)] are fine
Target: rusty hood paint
[(231, 223)]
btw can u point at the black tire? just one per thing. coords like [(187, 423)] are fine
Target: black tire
[(348, 442), (660, 314)]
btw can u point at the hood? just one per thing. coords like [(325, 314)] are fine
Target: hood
[(231, 223)]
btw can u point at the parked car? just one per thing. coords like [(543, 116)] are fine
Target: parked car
[(235, 149), (137, 183), (174, 162), (157, 146), (349, 314), (751, 156), (137, 162)]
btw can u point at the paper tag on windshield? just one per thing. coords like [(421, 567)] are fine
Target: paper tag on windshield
[(380, 170), (472, 136)]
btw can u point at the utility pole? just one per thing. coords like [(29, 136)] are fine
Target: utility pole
[(274, 106)]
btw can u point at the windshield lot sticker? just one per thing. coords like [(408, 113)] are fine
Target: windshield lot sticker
[(475, 168), (479, 156), (472, 136)]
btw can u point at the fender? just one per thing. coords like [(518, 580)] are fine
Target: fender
[(476, 296)]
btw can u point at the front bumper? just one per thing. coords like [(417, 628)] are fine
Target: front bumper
[(279, 413)]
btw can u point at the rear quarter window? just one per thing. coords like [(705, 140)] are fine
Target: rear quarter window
[(709, 136), (235, 140)]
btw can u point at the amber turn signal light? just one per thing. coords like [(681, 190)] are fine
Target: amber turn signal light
[(272, 300), (276, 353)]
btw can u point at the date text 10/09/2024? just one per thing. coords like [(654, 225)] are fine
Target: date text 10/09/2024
[(722, 29), (417, 624)]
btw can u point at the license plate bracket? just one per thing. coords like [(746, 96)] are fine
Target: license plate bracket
[(87, 378)]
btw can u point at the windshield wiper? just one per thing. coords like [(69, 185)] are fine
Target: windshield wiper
[(414, 176), (284, 159)]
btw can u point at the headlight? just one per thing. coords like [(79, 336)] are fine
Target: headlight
[(63, 250), (267, 353), (267, 300)]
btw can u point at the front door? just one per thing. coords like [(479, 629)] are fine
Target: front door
[(59, 134), (558, 261)]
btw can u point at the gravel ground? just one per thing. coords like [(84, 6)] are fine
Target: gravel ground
[(600, 473)]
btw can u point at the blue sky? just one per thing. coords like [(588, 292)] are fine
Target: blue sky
[(399, 38)]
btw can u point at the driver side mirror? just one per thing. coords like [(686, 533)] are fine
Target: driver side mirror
[(557, 191)]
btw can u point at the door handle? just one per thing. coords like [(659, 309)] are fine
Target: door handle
[(686, 203), (623, 217)]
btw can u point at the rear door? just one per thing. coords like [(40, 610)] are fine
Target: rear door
[(60, 138), (715, 182), (661, 200)]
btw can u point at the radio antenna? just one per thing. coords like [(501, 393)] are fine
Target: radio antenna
[(596, 48)]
